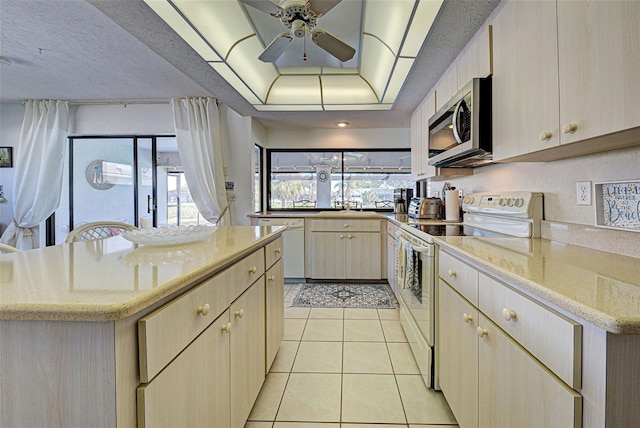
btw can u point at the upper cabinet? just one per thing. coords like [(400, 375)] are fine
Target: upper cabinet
[(564, 72), (420, 168), (599, 54), (473, 61)]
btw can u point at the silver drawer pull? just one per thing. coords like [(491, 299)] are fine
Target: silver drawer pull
[(509, 314), (204, 310)]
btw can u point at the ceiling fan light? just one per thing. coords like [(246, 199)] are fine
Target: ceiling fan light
[(298, 28), (342, 124)]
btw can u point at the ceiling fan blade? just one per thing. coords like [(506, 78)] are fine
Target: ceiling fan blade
[(267, 6), (333, 45), (321, 7), (276, 48)]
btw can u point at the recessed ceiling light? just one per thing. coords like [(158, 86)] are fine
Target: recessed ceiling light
[(343, 124)]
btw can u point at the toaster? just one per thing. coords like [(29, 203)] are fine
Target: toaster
[(425, 208)]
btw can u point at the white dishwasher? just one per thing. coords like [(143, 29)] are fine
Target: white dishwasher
[(293, 244)]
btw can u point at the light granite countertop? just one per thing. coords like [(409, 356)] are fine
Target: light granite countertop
[(600, 287), (111, 279)]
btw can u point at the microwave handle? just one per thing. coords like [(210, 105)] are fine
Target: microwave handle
[(454, 121)]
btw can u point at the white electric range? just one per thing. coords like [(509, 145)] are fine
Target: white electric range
[(487, 214)]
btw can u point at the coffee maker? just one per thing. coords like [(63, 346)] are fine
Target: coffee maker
[(401, 199)]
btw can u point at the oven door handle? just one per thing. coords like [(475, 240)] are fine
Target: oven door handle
[(426, 250)]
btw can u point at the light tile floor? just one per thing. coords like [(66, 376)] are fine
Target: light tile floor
[(345, 368)]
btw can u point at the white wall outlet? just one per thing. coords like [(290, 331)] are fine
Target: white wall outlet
[(583, 193)]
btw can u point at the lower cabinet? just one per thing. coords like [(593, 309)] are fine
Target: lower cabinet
[(192, 391), (346, 249), (274, 302), (214, 381), (516, 390), (247, 346), (489, 379), (215, 369), (458, 355)]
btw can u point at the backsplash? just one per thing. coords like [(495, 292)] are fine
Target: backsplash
[(613, 241), (557, 180)]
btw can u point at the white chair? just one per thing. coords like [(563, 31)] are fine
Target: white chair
[(97, 230), (4, 248)]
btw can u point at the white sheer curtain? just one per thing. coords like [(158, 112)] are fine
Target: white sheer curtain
[(197, 123), (39, 161)]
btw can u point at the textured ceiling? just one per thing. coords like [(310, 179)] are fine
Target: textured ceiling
[(121, 50)]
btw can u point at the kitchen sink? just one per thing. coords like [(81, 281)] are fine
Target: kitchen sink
[(346, 213)]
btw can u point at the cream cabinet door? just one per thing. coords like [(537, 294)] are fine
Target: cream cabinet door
[(247, 314), (525, 79), (363, 255), (599, 50), (420, 168), (274, 306), (458, 355), (193, 390), (328, 260), (417, 152), (447, 86), (516, 390), (475, 58)]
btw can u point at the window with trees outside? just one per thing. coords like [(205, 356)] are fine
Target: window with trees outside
[(348, 179)]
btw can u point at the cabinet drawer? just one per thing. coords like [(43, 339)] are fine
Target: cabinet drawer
[(273, 252), (194, 389), (552, 338), (515, 390), (460, 276), (165, 332), (345, 225), (244, 273), (392, 229)]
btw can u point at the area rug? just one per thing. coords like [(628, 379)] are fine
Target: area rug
[(322, 295)]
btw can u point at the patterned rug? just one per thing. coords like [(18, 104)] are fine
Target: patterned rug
[(321, 295)]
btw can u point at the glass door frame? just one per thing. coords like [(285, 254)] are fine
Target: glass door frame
[(135, 139)]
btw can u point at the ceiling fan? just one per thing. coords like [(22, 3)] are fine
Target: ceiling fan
[(300, 17)]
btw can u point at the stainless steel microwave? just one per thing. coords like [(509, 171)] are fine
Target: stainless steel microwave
[(460, 132)]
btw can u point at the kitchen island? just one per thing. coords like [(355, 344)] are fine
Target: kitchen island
[(106, 333)]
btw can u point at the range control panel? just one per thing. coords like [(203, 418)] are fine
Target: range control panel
[(510, 204)]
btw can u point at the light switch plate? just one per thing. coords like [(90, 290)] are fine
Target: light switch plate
[(583, 193)]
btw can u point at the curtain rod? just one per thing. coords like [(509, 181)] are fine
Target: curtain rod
[(123, 103)]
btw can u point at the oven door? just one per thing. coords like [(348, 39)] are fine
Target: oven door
[(418, 296)]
